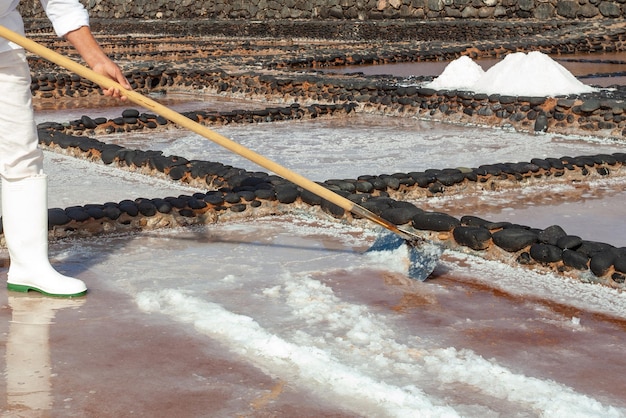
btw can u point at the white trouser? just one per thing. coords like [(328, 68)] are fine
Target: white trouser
[(20, 156)]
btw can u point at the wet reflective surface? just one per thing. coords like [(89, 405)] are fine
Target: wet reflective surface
[(287, 316)]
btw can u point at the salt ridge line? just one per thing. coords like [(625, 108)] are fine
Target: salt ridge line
[(278, 357), (321, 370), (371, 339)]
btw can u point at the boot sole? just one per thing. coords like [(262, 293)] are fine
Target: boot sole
[(24, 289)]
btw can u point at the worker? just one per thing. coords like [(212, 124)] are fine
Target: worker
[(24, 184)]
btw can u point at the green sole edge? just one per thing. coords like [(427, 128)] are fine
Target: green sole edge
[(24, 289)]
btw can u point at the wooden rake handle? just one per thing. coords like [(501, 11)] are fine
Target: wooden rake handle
[(185, 122)]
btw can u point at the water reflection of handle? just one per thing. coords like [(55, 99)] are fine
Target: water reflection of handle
[(28, 367)]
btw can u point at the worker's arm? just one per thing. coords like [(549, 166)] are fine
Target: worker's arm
[(86, 45)]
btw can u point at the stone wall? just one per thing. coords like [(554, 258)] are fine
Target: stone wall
[(346, 9)]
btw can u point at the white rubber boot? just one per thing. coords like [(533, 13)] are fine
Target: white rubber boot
[(25, 224)]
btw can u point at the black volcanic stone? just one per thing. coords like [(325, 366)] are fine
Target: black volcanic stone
[(491, 169), (475, 237), (556, 163), (90, 144), (471, 176), (436, 187), (130, 113), (239, 207), (95, 212), (348, 186), (571, 242), (142, 157), (56, 217), (514, 239), (214, 198), (422, 179), (178, 172), (358, 198), (200, 169), (147, 208), (196, 204), (287, 193), (265, 194), (435, 221), (129, 155), (332, 208), (470, 220), (88, 122), (590, 105), (187, 213), (551, 235), (400, 216), (363, 186), (67, 141), (112, 212), (603, 171), (602, 261), (129, 207), (77, 214), (589, 248), (308, 197), (620, 262), (620, 156), (574, 259), (377, 205), (392, 182), (232, 198), (109, 153), (524, 258), (450, 177), (162, 205), (541, 123), (545, 253), (379, 183), (247, 195), (541, 163), (177, 202)]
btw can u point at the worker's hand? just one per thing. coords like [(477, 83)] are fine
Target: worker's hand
[(90, 50), (109, 69)]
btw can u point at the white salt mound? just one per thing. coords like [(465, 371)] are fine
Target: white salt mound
[(460, 74), (518, 74)]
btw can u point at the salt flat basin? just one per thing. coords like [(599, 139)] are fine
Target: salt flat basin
[(269, 316), (368, 144), (266, 316)]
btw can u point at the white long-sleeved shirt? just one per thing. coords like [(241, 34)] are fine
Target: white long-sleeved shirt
[(65, 15)]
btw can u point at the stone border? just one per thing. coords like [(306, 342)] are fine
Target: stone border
[(237, 193), (602, 114), (334, 10)]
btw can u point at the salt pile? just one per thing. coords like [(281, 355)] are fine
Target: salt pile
[(459, 74), (518, 74)]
